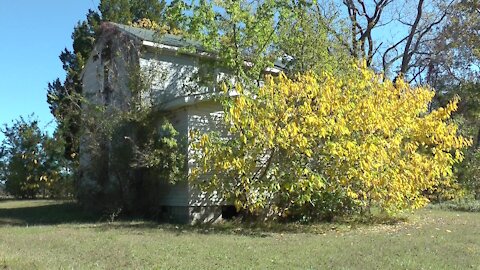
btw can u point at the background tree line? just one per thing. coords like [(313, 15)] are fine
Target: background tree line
[(32, 162)]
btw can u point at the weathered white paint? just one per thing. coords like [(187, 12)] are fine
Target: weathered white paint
[(173, 48), (204, 117), (159, 45), (171, 76), (176, 194), (93, 86), (174, 90)]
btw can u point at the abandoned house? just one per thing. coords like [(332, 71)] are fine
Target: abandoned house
[(174, 81)]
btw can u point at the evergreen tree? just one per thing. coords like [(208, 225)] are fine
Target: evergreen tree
[(64, 97)]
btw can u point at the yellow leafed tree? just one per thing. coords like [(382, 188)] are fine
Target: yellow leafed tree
[(319, 145)]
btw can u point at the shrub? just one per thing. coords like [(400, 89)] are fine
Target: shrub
[(322, 142)]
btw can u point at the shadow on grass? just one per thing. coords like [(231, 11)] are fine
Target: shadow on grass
[(23, 213), (225, 228), (460, 205), (254, 228), (43, 213)]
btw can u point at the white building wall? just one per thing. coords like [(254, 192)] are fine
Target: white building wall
[(105, 66), (204, 117), (174, 86), (174, 81), (176, 194), (171, 76)]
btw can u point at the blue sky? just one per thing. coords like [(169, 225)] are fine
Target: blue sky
[(32, 35)]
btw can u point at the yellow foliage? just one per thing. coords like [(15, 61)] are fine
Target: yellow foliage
[(362, 135), (146, 24), (153, 25)]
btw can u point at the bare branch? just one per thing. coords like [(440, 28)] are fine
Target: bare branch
[(386, 64), (406, 52)]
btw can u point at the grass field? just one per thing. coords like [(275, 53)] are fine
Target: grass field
[(57, 235)]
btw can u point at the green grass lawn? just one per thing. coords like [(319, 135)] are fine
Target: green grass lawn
[(57, 235)]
